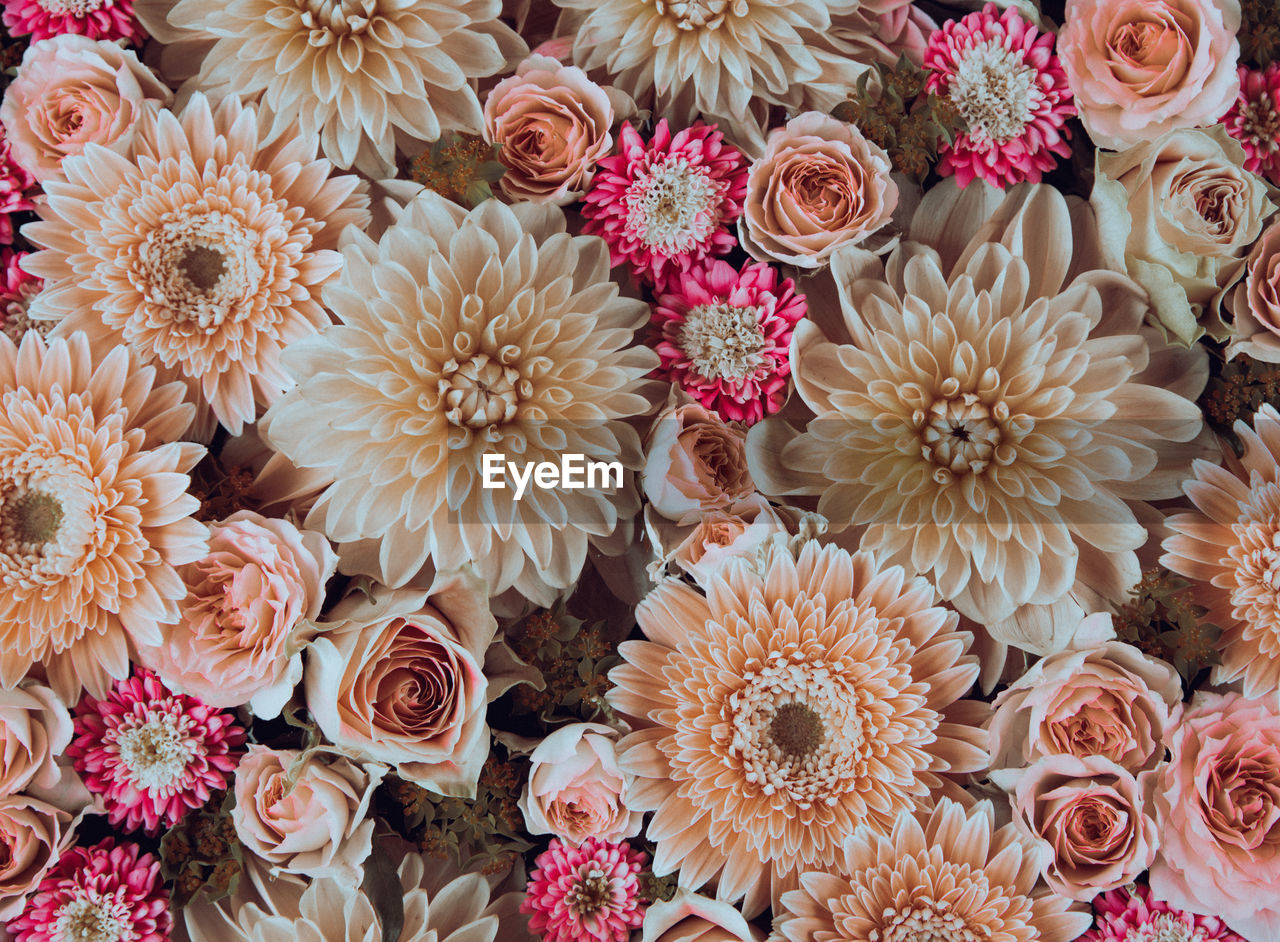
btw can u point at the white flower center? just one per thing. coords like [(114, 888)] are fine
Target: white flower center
[(76, 8), (482, 391), (929, 920), (591, 891), (1166, 927), (724, 342), (960, 434), (995, 92), (157, 751), (673, 207), (1261, 123), (327, 21), (694, 14), (90, 917)]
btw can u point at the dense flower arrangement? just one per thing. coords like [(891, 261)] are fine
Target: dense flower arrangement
[(640, 470)]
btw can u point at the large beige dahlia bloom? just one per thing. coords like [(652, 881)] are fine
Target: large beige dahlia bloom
[(463, 335), (989, 410), (360, 76), (794, 701), (94, 511), (197, 247), (946, 875)]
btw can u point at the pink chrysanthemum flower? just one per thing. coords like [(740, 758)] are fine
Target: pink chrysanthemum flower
[(1133, 916), (104, 893), (667, 205), (725, 335), (15, 181), (586, 893), (152, 754), (98, 19), (17, 288), (1003, 77), (1254, 120)]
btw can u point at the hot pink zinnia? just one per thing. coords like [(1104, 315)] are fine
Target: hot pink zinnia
[(15, 181), (725, 335), (581, 894), (1003, 77), (152, 754), (17, 288), (1254, 120), (1125, 916), (667, 205), (98, 894), (98, 19)]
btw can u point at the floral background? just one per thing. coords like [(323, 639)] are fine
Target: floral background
[(939, 344)]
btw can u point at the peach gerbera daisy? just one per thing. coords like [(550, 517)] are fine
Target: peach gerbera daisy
[(94, 511), (949, 874), (794, 701), (1231, 546), (197, 247)]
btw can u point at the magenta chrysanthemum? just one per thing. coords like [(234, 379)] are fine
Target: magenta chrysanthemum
[(152, 754), (725, 335), (666, 205), (104, 893), (17, 288), (1003, 77), (98, 19), (585, 894), (15, 181), (1124, 916), (1254, 120)]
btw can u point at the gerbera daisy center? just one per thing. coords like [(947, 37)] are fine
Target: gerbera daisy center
[(960, 434), (694, 14), (724, 341), (928, 920), (1166, 927), (28, 520), (157, 751), (672, 207), (995, 91), (86, 919), (203, 267), (796, 729), (591, 892), (481, 391), (1261, 124), (77, 8)]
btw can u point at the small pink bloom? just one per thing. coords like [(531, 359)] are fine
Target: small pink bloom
[(1254, 120), (665, 205), (1131, 915), (1002, 75), (725, 335), (153, 755), (15, 182), (100, 892), (696, 463), (17, 289), (97, 19), (585, 894)]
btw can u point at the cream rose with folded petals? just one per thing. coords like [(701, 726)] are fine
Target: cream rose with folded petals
[(696, 463), (820, 185), (576, 789), (32, 834), (1255, 301), (35, 727)]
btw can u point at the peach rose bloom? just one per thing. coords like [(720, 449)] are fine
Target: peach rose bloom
[(819, 185), (1178, 214), (688, 917), (306, 813), (715, 539), (35, 727), (71, 91), (552, 123), (398, 678), (696, 463), (1139, 68), (1217, 804), (247, 614), (1091, 816), (1109, 700), (32, 834), (1255, 302), (576, 789)]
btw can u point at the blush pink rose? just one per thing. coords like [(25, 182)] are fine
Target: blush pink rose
[(576, 788), (696, 463), (1108, 700), (1091, 816), (717, 537), (247, 615), (71, 91), (1255, 302), (32, 834), (552, 124), (399, 678), (35, 728), (1139, 68), (1217, 804), (688, 917), (306, 813), (820, 185)]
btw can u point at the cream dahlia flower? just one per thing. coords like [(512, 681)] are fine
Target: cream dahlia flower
[(463, 335), (94, 511), (730, 61), (198, 248), (361, 76), (949, 874), (794, 701), (987, 409)]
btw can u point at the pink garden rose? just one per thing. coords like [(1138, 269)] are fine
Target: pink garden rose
[(247, 614), (688, 917), (72, 91), (820, 185), (1255, 301), (696, 463), (1217, 804), (35, 728), (32, 834), (1140, 68), (718, 537), (1092, 817), (576, 789), (306, 813)]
